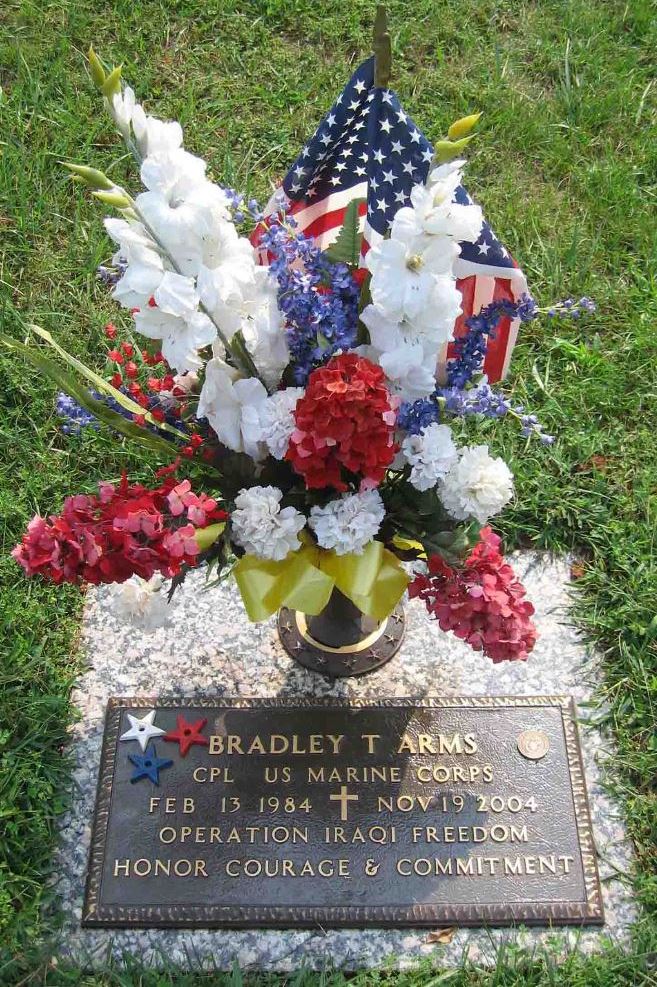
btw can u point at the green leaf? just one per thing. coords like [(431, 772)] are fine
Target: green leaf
[(454, 545), (97, 408), (346, 249), (104, 386), (205, 537)]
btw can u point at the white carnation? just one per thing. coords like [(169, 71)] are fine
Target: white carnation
[(141, 602), (350, 523), (478, 485), (261, 528), (277, 419), (431, 455)]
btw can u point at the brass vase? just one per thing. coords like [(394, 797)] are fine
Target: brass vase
[(341, 640)]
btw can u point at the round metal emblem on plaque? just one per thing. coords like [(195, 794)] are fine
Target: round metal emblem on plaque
[(533, 744)]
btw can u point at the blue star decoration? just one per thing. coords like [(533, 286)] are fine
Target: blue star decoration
[(149, 765)]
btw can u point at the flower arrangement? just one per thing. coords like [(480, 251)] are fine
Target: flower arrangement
[(295, 385)]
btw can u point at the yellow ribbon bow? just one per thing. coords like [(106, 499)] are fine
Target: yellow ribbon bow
[(304, 580)]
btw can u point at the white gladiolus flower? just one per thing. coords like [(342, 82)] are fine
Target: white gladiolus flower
[(170, 208), (181, 337), (176, 295), (154, 136), (431, 455), (145, 267), (122, 109), (261, 528), (228, 288), (140, 280), (141, 602), (232, 406), (349, 523), (277, 419), (407, 356), (434, 325), (410, 369), (434, 212), (403, 273), (264, 330), (173, 173), (478, 485)]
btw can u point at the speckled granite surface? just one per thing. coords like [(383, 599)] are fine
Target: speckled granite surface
[(209, 648)]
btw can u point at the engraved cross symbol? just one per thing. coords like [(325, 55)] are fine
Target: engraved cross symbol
[(343, 798)]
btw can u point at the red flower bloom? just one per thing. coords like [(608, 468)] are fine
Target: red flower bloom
[(345, 420), (483, 603), (121, 532)]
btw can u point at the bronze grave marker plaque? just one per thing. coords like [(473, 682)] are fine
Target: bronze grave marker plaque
[(274, 812)]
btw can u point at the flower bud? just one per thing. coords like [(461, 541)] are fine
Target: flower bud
[(116, 197), (464, 126), (112, 83), (96, 69), (447, 150), (90, 176)]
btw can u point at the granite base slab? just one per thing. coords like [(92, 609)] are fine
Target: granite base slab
[(209, 648)]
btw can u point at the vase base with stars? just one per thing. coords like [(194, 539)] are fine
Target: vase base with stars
[(340, 641)]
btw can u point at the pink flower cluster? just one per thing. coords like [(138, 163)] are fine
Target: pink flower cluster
[(483, 603), (124, 531)]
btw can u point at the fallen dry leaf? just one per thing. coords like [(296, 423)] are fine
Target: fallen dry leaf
[(442, 936)]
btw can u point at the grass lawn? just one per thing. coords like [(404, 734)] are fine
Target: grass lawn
[(565, 168)]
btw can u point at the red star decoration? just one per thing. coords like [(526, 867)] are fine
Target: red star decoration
[(187, 734)]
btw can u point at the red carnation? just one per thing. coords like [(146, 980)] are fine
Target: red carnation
[(483, 603), (346, 419), (119, 533)]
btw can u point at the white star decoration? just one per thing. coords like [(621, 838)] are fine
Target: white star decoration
[(142, 730)]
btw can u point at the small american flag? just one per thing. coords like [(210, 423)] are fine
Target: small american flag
[(367, 147)]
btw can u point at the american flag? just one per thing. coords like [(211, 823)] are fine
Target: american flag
[(367, 147)]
